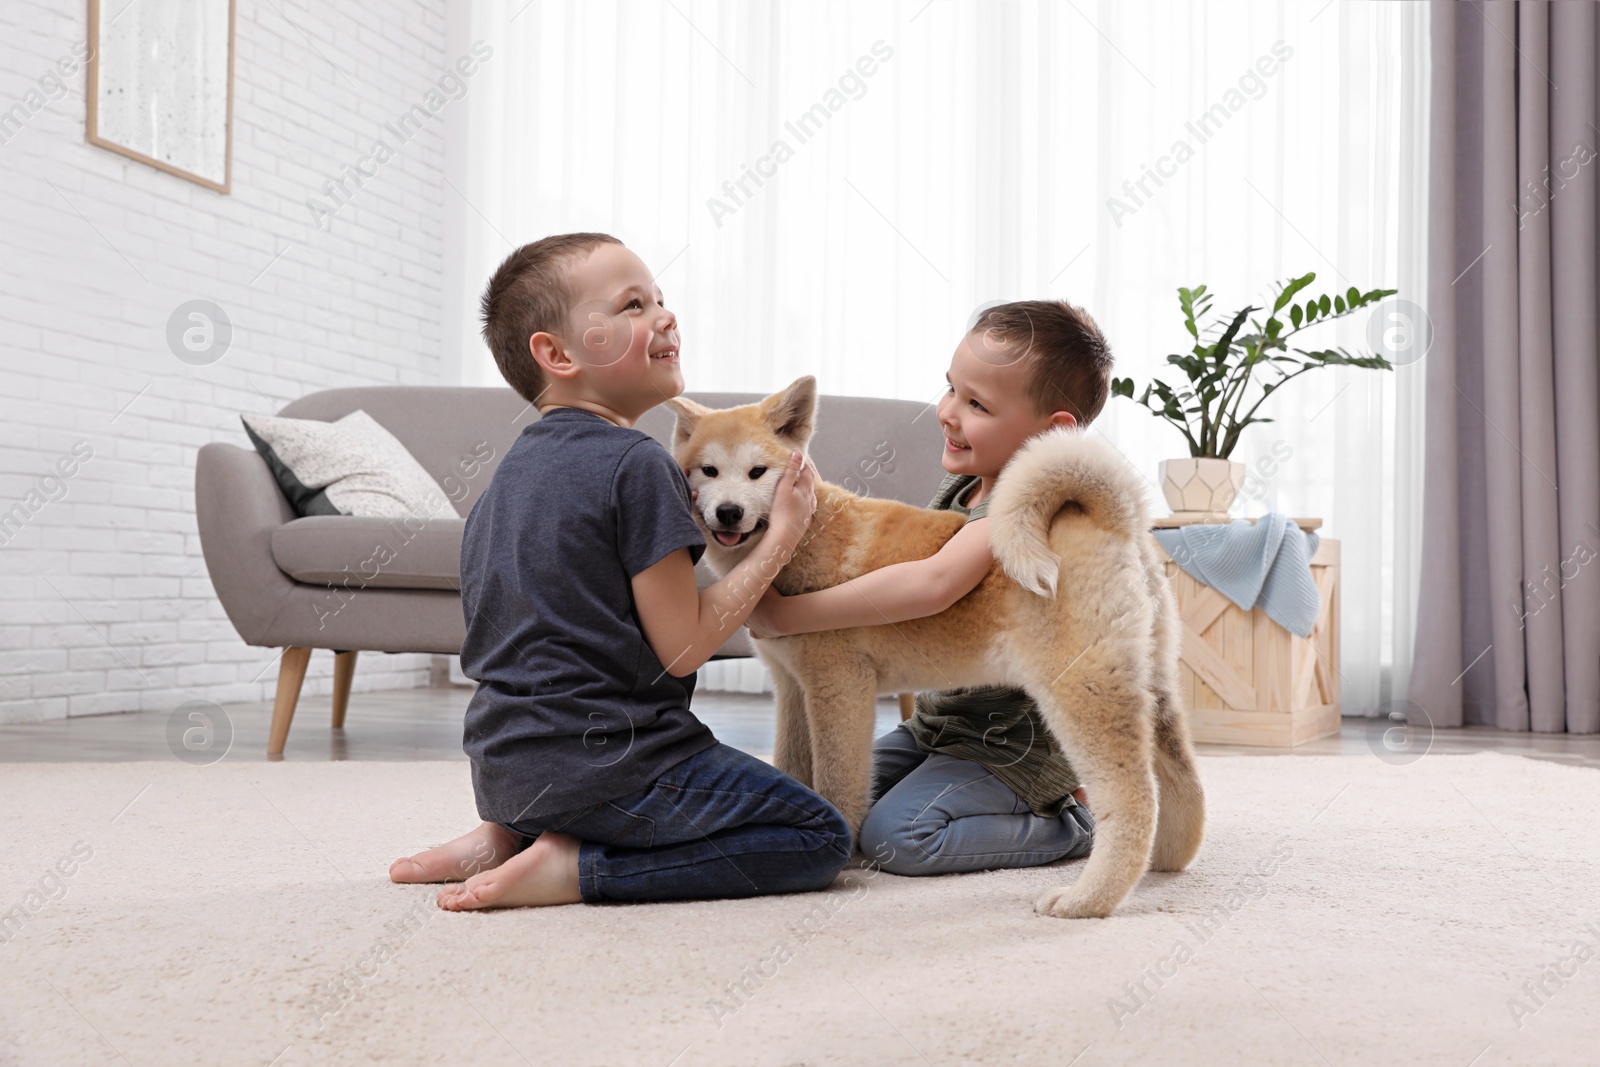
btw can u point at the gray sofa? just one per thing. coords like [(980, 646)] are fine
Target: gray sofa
[(352, 584)]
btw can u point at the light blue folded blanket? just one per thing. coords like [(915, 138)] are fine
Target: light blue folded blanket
[(1269, 562)]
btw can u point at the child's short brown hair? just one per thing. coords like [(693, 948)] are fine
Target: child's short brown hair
[(1065, 356), (530, 293)]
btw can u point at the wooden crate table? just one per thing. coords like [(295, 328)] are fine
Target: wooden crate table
[(1244, 679)]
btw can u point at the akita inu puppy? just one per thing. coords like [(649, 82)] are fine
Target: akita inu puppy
[(1075, 610)]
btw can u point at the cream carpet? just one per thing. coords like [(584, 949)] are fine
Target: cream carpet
[(1343, 911)]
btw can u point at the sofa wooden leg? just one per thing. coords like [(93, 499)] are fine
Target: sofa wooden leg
[(344, 670), (291, 672), (908, 704)]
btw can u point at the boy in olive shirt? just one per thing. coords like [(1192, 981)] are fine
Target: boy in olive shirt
[(974, 779)]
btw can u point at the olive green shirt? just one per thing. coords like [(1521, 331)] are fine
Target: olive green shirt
[(995, 726)]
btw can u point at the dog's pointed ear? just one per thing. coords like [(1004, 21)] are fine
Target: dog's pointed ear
[(688, 413), (792, 414)]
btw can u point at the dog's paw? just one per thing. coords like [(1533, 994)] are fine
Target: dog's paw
[(1065, 902)]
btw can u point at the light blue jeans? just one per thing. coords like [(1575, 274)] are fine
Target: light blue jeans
[(934, 814)]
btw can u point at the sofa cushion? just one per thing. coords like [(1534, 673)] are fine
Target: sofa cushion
[(350, 467), (406, 553), (351, 551)]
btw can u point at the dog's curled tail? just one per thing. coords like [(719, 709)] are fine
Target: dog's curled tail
[(1058, 469)]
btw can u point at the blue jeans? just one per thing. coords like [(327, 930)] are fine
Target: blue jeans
[(934, 814), (719, 824)]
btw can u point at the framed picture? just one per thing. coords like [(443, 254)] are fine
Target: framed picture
[(161, 85)]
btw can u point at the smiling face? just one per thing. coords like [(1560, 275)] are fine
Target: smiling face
[(986, 413), (620, 347)]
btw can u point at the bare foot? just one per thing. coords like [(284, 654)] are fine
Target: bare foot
[(546, 872), (485, 848), (1081, 795)]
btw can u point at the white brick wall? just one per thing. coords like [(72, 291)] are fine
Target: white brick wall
[(105, 604)]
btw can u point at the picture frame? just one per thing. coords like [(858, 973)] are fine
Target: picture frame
[(160, 85)]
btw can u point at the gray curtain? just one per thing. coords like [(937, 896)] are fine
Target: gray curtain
[(1508, 621)]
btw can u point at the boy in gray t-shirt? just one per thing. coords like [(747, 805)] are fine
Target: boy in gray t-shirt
[(584, 627)]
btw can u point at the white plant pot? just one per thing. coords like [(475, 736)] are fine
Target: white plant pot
[(1201, 486)]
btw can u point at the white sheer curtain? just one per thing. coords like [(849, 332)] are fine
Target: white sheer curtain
[(960, 153)]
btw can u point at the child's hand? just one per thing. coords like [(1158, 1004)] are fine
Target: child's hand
[(766, 620), (796, 499)]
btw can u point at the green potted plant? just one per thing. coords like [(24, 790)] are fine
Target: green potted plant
[(1217, 402)]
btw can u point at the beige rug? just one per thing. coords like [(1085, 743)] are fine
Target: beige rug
[(1343, 911)]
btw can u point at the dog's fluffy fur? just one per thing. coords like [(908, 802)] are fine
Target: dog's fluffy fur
[(1076, 610)]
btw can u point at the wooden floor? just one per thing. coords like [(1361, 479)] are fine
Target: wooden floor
[(425, 724)]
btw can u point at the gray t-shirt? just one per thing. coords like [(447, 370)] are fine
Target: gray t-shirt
[(572, 707)]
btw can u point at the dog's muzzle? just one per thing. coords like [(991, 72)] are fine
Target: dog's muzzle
[(734, 538)]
